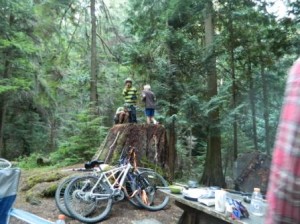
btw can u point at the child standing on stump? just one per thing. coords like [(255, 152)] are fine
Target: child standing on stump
[(130, 97), (149, 98)]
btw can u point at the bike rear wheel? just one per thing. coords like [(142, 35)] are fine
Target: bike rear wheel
[(129, 190), (83, 204), (147, 187)]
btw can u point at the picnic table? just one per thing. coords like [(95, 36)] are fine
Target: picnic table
[(196, 213)]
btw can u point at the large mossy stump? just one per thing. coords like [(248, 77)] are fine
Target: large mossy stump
[(149, 140)]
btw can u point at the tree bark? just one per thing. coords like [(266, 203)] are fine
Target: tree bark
[(172, 110), (213, 172), (172, 149), (3, 96), (2, 121), (266, 109), (149, 140), (234, 88), (94, 65), (252, 104)]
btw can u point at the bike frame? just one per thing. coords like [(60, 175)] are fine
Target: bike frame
[(115, 179)]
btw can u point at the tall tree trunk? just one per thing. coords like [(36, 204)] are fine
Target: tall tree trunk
[(172, 149), (171, 130), (172, 110), (2, 121), (252, 104), (234, 87), (265, 108), (234, 105), (94, 64), (213, 173), (53, 128), (6, 74)]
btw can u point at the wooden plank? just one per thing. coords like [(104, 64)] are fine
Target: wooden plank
[(194, 216), (194, 212)]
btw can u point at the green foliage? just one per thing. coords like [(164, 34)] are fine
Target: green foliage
[(45, 74), (83, 134), (50, 191), (14, 84), (27, 131), (144, 162), (190, 166), (28, 162), (174, 60)]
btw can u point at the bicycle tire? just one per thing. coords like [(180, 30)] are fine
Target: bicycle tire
[(82, 205), (59, 195), (147, 186)]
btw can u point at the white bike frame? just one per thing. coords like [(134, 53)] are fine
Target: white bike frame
[(114, 178)]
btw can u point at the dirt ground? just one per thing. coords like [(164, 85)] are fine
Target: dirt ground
[(122, 212)]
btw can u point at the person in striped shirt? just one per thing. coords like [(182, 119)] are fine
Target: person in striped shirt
[(130, 98)]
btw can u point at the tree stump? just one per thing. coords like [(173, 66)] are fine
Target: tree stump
[(43, 161), (252, 170), (149, 140)]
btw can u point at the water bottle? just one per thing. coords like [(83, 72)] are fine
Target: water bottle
[(257, 204), (61, 219), (220, 200)]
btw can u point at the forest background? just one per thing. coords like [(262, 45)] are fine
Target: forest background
[(218, 69)]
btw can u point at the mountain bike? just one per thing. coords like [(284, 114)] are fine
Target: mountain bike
[(91, 170), (89, 199)]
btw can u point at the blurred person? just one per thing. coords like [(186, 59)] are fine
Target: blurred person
[(149, 98), (130, 97), (121, 115), (283, 195)]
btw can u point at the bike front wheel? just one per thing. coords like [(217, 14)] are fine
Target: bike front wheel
[(87, 202), (147, 189)]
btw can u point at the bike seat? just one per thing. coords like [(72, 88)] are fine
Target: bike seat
[(92, 164)]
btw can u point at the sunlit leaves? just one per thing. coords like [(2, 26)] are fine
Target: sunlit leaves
[(15, 84)]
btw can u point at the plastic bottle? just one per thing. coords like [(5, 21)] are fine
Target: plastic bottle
[(61, 219), (220, 200), (257, 206)]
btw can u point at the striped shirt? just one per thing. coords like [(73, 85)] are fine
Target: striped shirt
[(130, 95), (284, 184)]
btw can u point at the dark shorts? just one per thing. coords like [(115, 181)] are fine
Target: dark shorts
[(149, 112)]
